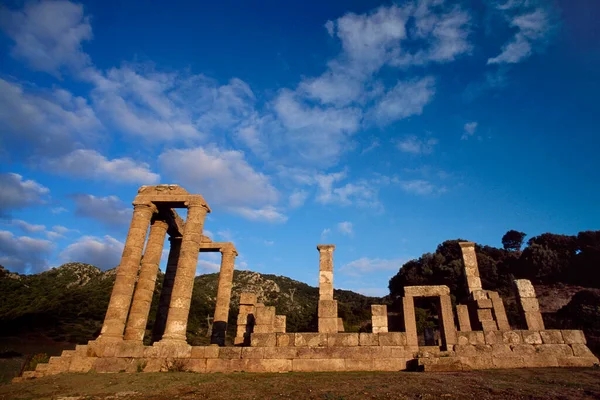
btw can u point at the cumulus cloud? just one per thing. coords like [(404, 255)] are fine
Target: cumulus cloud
[(362, 193), (102, 252), (298, 198), (24, 254), (403, 100), (414, 145), (27, 227), (48, 34), (469, 130), (224, 178), (345, 228), (92, 165), (367, 265), (109, 210), (533, 28), (15, 192)]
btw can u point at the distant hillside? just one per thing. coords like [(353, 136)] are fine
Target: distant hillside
[(68, 303)]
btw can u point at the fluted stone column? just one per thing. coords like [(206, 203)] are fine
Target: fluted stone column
[(181, 296), (167, 289), (219, 329), (120, 299), (142, 297)]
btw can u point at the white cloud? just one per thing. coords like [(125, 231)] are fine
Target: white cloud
[(420, 187), (27, 227), (58, 210), (44, 123), (208, 263), (266, 214), (298, 198), (367, 265), (17, 193), (104, 253), (224, 178), (403, 100), (24, 254), (325, 233), (362, 193), (109, 210), (345, 228), (470, 128), (372, 292), (533, 28), (414, 145), (92, 165), (48, 34)]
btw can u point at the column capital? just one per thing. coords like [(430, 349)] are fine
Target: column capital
[(145, 206), (197, 201), (325, 247), (230, 248)]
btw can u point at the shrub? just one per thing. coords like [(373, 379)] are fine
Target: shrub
[(35, 360)]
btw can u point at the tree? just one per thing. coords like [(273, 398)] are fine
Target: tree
[(513, 240)]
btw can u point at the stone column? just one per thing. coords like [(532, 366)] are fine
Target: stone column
[(447, 322), (120, 299), (221, 315), (142, 297), (167, 288), (327, 307), (464, 321), (379, 318), (410, 321), (528, 304), (471, 268), (181, 297)]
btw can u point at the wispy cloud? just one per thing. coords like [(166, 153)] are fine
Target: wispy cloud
[(469, 130), (367, 265), (414, 145), (345, 228)]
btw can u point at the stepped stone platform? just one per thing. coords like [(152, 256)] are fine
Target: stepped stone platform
[(476, 336)]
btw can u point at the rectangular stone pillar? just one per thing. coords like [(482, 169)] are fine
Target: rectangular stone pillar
[(379, 318), (499, 311), (340, 324), (528, 304), (447, 322), (471, 269), (464, 322), (245, 320), (144, 289), (181, 297), (264, 320), (410, 322), (122, 293), (219, 329), (167, 288), (328, 315), (327, 308), (280, 322)]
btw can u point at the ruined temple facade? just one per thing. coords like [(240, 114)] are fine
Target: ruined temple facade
[(474, 334)]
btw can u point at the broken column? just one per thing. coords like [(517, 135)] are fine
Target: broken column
[(327, 308), (528, 304), (379, 318), (245, 320), (219, 328)]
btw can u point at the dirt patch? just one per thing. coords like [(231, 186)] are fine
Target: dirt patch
[(550, 383)]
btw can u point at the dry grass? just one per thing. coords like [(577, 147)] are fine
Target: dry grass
[(552, 383)]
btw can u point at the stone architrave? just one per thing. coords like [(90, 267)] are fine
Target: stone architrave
[(464, 322), (181, 296), (471, 269), (528, 304), (379, 318), (167, 288), (144, 289), (219, 328), (410, 321), (122, 293)]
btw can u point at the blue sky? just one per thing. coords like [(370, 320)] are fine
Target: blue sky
[(382, 128)]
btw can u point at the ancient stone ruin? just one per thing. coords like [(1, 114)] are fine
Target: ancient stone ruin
[(480, 336)]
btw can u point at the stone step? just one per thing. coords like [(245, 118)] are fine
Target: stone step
[(28, 375), (68, 353), (41, 367)]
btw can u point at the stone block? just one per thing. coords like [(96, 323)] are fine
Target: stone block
[(153, 364), (239, 340), (483, 349), (341, 325), (252, 352), (479, 294), (493, 337), (327, 325), (467, 350), (198, 352), (263, 329), (512, 337), (488, 325), (352, 364), (426, 291), (247, 298), (577, 361), (129, 348), (242, 320), (534, 321), (81, 364), (444, 364), (581, 350), (285, 339), (326, 278), (464, 321), (196, 365), (473, 283), (484, 303), (462, 338), (557, 350), (328, 309), (310, 339), (530, 304), (172, 349), (379, 329), (478, 362), (211, 351), (263, 340), (368, 339), (219, 365), (230, 353), (499, 311), (247, 309), (502, 350), (531, 337), (573, 337), (272, 365), (524, 288), (342, 339), (551, 337), (485, 314), (379, 310), (392, 364), (326, 291), (523, 349), (477, 337), (392, 339), (280, 352), (540, 361), (265, 316), (508, 362), (379, 321), (280, 324), (318, 365), (111, 364), (410, 322)]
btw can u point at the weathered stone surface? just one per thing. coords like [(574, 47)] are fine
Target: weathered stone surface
[(530, 304), (508, 362), (410, 322), (313, 365), (328, 325), (342, 339), (488, 325), (479, 294), (392, 364), (211, 351), (485, 315), (263, 340), (502, 350), (557, 350), (230, 352), (540, 361), (464, 321), (523, 349), (247, 298), (285, 339), (484, 303), (577, 361), (310, 339), (327, 309), (273, 365), (524, 288), (198, 352), (263, 329), (392, 339), (467, 350), (81, 364), (340, 322), (534, 321), (281, 352), (551, 337), (358, 365), (581, 350), (379, 321), (512, 337), (196, 365), (499, 311), (280, 324), (379, 310), (573, 336), (265, 316), (493, 337), (531, 337), (426, 291), (252, 352), (368, 339)]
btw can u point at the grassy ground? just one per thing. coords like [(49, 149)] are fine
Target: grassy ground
[(552, 383)]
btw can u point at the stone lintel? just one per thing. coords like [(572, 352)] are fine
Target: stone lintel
[(426, 291), (466, 244), (213, 247), (173, 195)]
